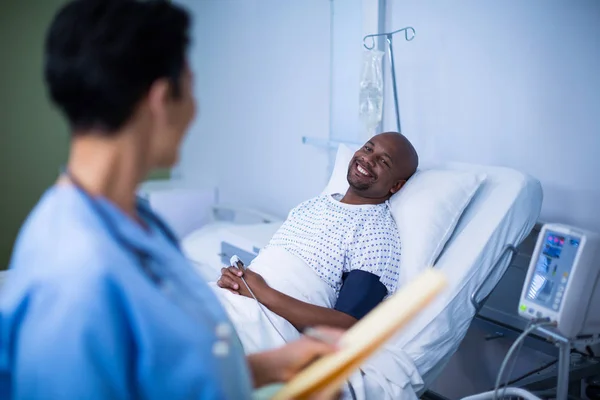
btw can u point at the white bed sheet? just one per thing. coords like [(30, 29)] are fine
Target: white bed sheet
[(203, 246), (504, 211)]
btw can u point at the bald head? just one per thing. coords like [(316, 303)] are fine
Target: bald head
[(381, 167), (405, 153)]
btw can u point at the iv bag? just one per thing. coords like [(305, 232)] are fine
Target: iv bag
[(371, 91)]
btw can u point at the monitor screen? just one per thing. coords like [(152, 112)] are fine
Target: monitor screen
[(552, 269)]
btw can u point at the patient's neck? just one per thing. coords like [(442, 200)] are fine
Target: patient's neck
[(355, 198)]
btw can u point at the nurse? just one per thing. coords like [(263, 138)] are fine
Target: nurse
[(100, 303)]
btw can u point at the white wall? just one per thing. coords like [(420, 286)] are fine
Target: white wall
[(262, 78), (352, 20), (513, 83), (345, 68)]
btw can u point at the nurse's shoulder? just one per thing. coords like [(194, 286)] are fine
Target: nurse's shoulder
[(63, 305), (64, 237), (63, 254)]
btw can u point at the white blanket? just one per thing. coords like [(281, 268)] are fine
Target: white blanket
[(386, 374), (285, 273)]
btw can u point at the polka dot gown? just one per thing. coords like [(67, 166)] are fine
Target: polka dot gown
[(334, 237)]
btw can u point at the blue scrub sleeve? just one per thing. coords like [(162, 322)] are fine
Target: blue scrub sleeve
[(361, 292), (73, 343)]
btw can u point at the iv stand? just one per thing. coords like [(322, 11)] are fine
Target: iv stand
[(409, 34)]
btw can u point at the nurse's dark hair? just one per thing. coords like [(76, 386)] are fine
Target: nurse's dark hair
[(102, 57)]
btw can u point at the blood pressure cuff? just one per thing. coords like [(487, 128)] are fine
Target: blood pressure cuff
[(360, 293)]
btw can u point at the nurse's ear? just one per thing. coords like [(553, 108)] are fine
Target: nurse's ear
[(159, 98)]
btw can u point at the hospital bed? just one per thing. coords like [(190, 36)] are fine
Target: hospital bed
[(501, 214), (474, 260), (232, 231)]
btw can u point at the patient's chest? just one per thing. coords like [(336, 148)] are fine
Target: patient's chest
[(323, 232)]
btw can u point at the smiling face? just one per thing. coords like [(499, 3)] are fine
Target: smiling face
[(382, 166)]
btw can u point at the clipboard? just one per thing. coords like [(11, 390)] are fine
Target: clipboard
[(362, 340)]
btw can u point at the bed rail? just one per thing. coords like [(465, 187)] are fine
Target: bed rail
[(509, 250), (237, 211)]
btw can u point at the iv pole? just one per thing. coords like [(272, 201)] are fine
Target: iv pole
[(409, 34)]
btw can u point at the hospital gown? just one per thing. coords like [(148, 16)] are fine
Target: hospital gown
[(334, 238), (79, 319), (327, 253)]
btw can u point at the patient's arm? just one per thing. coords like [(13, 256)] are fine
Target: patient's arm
[(300, 314), (304, 315), (361, 292)]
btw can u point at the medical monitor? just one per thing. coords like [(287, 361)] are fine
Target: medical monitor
[(562, 281)]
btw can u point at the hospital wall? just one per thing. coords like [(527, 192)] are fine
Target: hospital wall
[(33, 138), (268, 73), (262, 79), (33, 135), (512, 83)]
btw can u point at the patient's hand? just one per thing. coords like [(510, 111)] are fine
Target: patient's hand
[(231, 279)]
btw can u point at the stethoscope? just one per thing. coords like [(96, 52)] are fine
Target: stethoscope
[(146, 215), (170, 284), (161, 277)]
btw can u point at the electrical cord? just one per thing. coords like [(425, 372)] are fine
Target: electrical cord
[(512, 366), (263, 309), (234, 261), (532, 372), (589, 355), (515, 348)]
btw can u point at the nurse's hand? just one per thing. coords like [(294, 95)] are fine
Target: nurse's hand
[(297, 355), (280, 365)]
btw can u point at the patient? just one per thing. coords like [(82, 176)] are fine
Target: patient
[(333, 260)]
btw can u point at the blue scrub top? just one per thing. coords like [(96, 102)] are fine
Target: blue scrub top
[(80, 318)]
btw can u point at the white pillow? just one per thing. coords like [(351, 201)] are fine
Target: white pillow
[(426, 209), (338, 182)]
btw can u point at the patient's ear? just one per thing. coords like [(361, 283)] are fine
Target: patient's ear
[(397, 186)]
